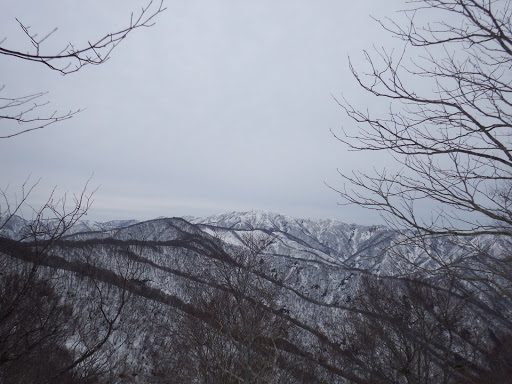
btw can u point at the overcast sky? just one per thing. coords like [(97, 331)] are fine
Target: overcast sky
[(221, 106)]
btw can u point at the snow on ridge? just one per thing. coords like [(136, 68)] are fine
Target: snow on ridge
[(259, 218)]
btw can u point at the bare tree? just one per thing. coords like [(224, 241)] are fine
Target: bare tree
[(448, 127), (34, 316), (408, 330), (22, 111), (106, 295), (35, 320), (34, 326), (449, 121), (232, 337), (81, 326)]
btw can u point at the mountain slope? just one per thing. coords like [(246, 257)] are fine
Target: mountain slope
[(292, 281)]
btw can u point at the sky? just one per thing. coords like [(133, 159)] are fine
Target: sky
[(221, 106)]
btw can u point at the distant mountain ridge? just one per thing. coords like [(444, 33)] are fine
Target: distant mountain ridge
[(317, 247), (324, 240), (327, 241)]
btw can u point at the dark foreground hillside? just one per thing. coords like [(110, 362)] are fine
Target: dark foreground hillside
[(243, 298)]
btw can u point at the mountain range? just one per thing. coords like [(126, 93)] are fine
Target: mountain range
[(304, 272)]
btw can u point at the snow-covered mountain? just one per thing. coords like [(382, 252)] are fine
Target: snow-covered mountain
[(95, 226), (310, 253), (328, 245), (332, 239), (327, 241), (305, 272)]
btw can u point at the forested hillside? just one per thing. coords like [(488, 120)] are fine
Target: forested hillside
[(242, 297)]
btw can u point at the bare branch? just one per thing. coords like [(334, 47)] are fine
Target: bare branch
[(70, 58)]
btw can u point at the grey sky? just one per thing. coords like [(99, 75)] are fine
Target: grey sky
[(222, 105)]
